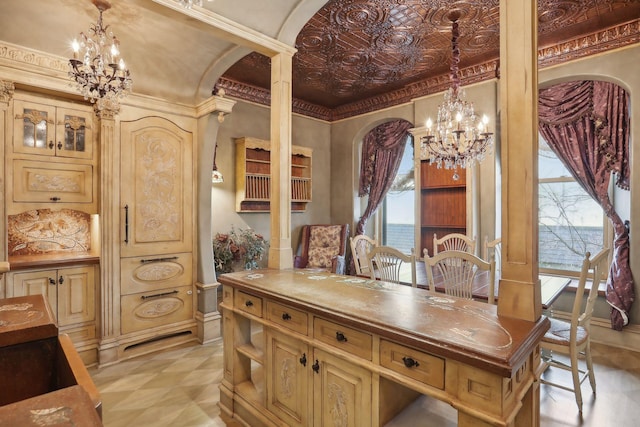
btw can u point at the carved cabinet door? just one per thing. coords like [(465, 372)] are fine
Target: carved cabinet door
[(342, 392), (156, 190), (287, 382)]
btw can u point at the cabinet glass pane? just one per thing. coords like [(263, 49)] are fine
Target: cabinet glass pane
[(35, 128), (74, 133)]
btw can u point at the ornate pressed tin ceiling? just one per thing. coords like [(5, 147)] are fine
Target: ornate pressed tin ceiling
[(356, 56)]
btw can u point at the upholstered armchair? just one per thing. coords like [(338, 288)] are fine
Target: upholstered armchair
[(324, 247)]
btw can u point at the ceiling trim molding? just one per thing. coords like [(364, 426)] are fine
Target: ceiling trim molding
[(590, 44)]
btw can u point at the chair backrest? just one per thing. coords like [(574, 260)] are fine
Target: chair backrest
[(456, 272), (388, 264), (454, 242), (360, 247), (594, 269), (320, 244), (493, 249)]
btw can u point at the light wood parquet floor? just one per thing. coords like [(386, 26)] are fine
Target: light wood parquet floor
[(179, 388)]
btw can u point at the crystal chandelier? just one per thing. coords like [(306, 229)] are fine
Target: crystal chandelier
[(98, 72), (460, 137)]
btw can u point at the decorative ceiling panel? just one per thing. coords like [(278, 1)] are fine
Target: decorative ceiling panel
[(358, 55)]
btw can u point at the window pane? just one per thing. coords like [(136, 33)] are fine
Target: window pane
[(399, 209), (549, 166), (570, 224)]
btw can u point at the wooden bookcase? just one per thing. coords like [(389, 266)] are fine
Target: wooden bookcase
[(253, 175), (443, 203)]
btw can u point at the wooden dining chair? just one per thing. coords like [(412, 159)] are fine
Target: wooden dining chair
[(456, 271), (453, 242), (387, 263), (360, 247), (573, 338), (493, 248)]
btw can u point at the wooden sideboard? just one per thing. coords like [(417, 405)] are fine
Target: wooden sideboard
[(303, 348)]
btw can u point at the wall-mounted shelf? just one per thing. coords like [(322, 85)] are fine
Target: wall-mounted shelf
[(253, 176)]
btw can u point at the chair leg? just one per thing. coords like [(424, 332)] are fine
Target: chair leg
[(592, 375), (575, 373)]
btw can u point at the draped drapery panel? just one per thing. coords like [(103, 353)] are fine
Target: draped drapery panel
[(586, 124)]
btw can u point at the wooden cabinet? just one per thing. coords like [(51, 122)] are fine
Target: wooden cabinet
[(253, 179), (51, 157), (70, 292), (157, 297), (52, 129), (443, 203)]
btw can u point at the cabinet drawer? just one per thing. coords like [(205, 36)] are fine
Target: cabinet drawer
[(145, 274), (52, 182), (288, 317), (248, 303), (152, 309), (353, 341), (412, 363)]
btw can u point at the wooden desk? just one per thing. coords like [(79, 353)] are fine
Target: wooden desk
[(305, 348)]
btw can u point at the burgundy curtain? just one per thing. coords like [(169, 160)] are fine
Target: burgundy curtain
[(586, 123), (382, 150)]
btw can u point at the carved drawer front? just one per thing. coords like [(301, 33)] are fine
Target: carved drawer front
[(146, 274), (288, 317), (412, 363), (353, 341), (248, 303), (151, 309), (51, 182)]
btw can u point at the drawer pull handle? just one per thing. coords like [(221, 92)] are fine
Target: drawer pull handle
[(303, 359), (286, 316), (316, 367), (249, 303), (164, 294), (144, 261), (54, 199), (340, 337), (410, 362)]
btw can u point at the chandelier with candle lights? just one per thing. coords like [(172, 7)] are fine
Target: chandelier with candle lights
[(459, 137), (96, 68)]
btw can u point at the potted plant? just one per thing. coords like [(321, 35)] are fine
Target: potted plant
[(238, 249)]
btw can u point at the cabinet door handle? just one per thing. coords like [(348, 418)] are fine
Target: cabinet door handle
[(51, 281), (59, 145), (303, 359), (249, 303), (144, 261), (126, 223), (54, 199), (340, 337), (410, 362), (60, 280), (286, 316), (316, 367), (163, 294), (51, 145)]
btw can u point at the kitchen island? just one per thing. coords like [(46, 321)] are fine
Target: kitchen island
[(305, 348)]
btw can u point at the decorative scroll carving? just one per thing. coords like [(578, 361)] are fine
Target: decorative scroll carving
[(44, 182), (158, 272), (6, 91), (159, 209), (158, 308), (48, 231), (32, 57)]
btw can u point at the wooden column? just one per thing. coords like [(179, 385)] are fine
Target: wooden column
[(519, 290), (280, 252), (7, 89), (109, 237)]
